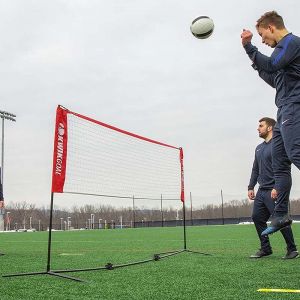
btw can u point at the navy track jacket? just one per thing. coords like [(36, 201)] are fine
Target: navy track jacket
[(262, 171), (281, 70)]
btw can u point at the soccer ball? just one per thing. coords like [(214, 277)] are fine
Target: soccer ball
[(202, 27)]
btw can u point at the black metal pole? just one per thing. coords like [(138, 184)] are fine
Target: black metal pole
[(222, 207), (184, 225), (161, 211), (133, 211), (191, 200), (50, 234)]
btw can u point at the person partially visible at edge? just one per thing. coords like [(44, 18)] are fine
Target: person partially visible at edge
[(1, 199), (1, 193), (262, 173), (281, 71)]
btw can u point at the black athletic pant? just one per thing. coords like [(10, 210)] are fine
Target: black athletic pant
[(262, 210), (285, 151)]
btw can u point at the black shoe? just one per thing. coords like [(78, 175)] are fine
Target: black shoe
[(277, 224), (1, 254), (291, 255), (261, 253)]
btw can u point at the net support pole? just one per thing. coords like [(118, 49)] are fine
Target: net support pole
[(133, 211), (48, 270), (50, 234), (222, 207), (191, 200), (161, 211), (184, 226)]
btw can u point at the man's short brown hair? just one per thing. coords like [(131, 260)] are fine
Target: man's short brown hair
[(269, 121), (270, 18)]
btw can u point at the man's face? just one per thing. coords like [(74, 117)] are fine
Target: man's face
[(263, 129), (267, 36)]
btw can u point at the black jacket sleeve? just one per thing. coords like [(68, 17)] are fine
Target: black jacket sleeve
[(254, 175)]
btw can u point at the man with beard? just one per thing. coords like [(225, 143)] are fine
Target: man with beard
[(263, 208)]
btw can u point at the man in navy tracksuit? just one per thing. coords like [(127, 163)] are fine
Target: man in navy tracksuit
[(282, 71), (262, 173)]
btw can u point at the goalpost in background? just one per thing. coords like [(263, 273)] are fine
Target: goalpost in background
[(93, 158)]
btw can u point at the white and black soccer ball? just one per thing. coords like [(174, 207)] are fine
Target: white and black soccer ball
[(202, 27)]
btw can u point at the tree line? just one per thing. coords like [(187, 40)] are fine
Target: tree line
[(25, 215)]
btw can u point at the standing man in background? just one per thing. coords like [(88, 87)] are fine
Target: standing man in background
[(281, 71), (263, 208), (1, 204)]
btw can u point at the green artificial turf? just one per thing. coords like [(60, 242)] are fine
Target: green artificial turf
[(227, 273)]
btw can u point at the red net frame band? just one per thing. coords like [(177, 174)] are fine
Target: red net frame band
[(61, 147)]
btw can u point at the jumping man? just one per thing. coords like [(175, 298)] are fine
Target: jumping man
[(281, 71)]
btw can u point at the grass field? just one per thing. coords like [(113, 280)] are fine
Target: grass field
[(227, 274)]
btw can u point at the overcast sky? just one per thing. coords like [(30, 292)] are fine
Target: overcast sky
[(134, 64)]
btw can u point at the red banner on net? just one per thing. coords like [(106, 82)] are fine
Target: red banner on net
[(181, 175), (60, 151)]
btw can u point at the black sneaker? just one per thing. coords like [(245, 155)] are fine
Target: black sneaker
[(291, 255), (277, 224), (1, 254), (261, 253)]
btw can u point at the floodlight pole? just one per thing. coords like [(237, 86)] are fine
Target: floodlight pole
[(4, 115)]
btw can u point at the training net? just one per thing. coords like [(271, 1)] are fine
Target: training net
[(142, 180), (94, 158)]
